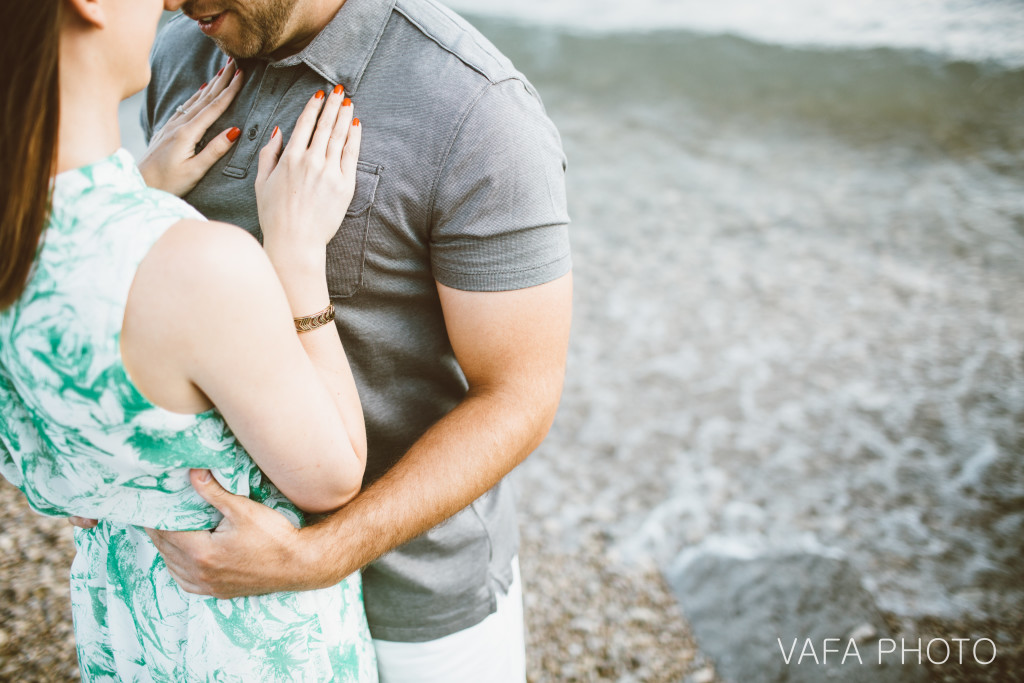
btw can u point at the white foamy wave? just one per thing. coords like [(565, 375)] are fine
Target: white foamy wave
[(971, 30)]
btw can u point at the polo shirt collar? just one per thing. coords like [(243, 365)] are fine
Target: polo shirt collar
[(341, 51)]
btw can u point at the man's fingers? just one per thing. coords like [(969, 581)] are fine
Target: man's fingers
[(174, 544), (178, 548), (187, 585), (82, 522), (213, 493)]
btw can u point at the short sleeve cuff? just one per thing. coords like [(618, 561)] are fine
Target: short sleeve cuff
[(502, 281)]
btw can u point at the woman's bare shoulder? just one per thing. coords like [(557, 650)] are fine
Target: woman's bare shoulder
[(203, 289), (199, 239), (208, 260)]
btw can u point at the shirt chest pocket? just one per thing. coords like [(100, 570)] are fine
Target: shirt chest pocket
[(346, 252)]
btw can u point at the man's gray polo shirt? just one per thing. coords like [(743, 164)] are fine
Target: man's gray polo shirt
[(461, 180)]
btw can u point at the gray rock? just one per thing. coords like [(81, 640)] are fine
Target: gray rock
[(767, 618)]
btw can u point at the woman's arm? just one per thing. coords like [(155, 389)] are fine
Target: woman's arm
[(208, 321), (302, 192)]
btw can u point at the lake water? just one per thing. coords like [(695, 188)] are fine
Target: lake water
[(799, 254), (971, 30)]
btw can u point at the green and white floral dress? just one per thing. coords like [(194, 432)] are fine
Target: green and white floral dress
[(78, 438)]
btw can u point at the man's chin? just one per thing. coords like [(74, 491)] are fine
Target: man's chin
[(232, 49), (230, 42), (237, 49)]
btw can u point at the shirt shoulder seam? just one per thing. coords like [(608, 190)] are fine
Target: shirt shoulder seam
[(479, 68)]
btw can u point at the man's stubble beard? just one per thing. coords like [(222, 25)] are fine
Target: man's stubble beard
[(261, 28)]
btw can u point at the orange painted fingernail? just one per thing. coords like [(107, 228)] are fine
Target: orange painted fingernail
[(234, 133), (202, 86), (355, 122), (277, 129), (346, 102), (338, 88), (319, 94)]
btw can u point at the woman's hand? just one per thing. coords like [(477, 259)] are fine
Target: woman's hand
[(171, 162), (302, 192)]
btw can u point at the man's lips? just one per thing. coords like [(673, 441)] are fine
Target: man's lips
[(197, 15)]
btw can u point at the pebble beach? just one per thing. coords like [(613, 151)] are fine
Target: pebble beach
[(586, 620)]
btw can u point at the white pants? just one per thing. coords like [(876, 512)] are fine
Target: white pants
[(493, 651)]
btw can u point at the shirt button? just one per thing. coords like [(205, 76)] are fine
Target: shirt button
[(253, 132)]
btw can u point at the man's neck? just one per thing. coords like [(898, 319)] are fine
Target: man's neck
[(306, 23)]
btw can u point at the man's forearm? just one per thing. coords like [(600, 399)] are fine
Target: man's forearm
[(455, 462)]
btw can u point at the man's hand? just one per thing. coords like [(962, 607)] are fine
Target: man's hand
[(251, 552)]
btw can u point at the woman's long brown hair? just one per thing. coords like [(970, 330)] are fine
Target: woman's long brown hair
[(30, 107)]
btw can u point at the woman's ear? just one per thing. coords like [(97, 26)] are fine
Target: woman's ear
[(91, 12)]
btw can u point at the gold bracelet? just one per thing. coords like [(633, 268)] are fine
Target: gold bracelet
[(311, 322)]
